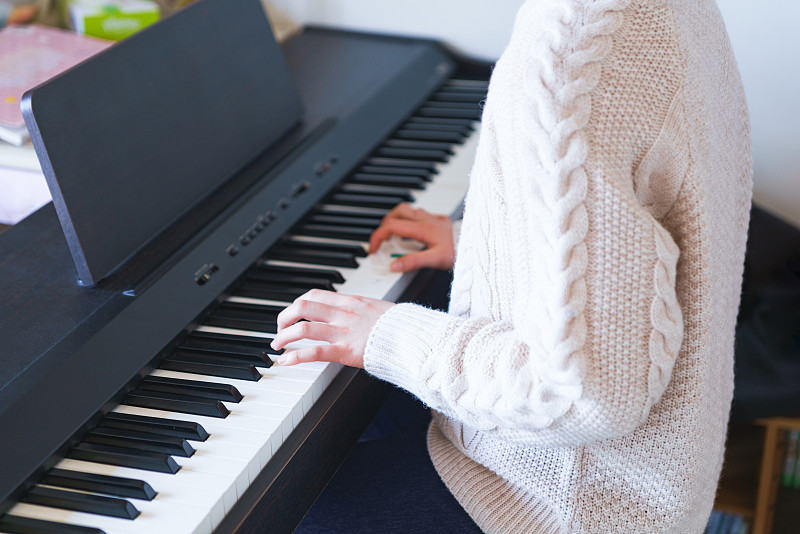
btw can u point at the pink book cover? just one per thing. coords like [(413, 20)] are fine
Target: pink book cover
[(30, 55)]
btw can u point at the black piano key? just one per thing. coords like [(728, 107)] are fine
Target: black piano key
[(467, 83), (170, 402), (460, 126), (381, 190), (140, 441), (440, 111), (164, 427), (228, 343), (423, 145), (219, 358), (25, 525), (288, 279), (452, 95), (208, 390), (366, 201), (256, 289), (344, 219), (465, 106), (109, 485), (354, 249), (330, 275), (409, 182), (101, 454), (81, 502), (314, 256), (390, 170), (233, 370), (421, 134), (223, 321), (441, 122), (402, 163), (336, 231)]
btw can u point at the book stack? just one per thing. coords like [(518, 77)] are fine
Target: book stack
[(790, 475), (29, 55), (726, 523)]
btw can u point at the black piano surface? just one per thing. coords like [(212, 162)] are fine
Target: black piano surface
[(55, 336)]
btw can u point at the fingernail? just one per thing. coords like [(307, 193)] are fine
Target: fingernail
[(396, 265), (272, 345), (282, 360)]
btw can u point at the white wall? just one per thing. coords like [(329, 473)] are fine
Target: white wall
[(764, 36), (767, 45)]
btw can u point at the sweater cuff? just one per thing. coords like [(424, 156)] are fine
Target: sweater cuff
[(456, 232), (400, 342)]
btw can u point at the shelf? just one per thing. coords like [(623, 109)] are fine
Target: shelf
[(751, 470)]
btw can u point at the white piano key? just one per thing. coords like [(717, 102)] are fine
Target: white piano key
[(208, 485), (176, 519)]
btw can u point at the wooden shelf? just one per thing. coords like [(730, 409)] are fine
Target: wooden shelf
[(751, 470)]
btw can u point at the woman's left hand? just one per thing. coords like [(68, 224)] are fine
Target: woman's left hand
[(343, 321)]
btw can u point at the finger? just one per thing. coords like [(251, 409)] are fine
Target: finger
[(436, 257), (406, 211), (316, 353), (305, 330), (402, 228), (306, 309)]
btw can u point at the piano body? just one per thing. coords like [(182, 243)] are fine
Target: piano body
[(158, 372)]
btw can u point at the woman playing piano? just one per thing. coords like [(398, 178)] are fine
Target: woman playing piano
[(582, 377)]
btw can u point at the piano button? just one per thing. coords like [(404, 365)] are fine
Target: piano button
[(11, 524), (81, 502), (149, 461), (421, 145), (403, 162), (140, 441), (222, 392), (336, 232), (409, 182), (367, 201), (215, 494), (390, 170), (116, 486), (161, 426), (232, 370), (330, 275), (176, 403), (421, 134)]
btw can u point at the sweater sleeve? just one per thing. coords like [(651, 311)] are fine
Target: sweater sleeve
[(565, 321)]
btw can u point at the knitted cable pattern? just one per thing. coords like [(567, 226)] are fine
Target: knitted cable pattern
[(566, 68)]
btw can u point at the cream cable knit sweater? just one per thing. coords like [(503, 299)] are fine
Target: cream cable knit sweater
[(582, 379)]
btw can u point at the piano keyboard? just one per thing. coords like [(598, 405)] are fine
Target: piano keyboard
[(179, 451)]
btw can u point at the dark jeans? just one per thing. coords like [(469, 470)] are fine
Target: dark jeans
[(388, 483)]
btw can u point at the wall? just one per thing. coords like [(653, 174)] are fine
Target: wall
[(763, 34)]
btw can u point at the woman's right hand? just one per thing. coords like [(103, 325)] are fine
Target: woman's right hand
[(435, 231)]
